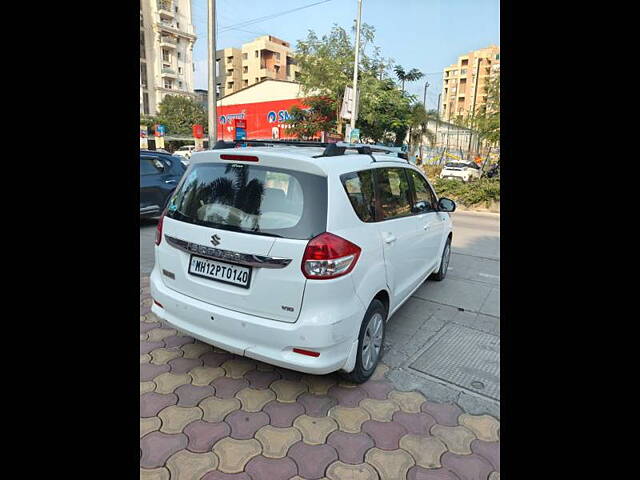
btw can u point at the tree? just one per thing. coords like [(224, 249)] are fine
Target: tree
[(384, 111), (179, 113), (487, 120), (410, 76), (418, 126), (326, 68), (319, 117)]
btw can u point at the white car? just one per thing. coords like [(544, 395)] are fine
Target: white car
[(185, 151), (296, 258), (461, 170)]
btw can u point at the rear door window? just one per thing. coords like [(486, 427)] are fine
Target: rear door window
[(359, 187), (393, 196), (252, 199), (151, 166)]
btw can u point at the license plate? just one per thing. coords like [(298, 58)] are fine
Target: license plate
[(220, 271)]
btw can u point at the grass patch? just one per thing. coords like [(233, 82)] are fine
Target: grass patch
[(483, 190)]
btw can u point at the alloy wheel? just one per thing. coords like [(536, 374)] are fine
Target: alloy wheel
[(372, 341)]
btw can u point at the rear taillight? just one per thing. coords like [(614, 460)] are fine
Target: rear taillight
[(329, 256), (159, 228)]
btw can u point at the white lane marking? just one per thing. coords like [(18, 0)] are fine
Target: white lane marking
[(488, 275)]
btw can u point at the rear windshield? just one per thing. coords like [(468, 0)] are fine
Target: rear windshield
[(252, 199)]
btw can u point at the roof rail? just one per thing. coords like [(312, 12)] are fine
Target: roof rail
[(339, 148), (222, 144), (330, 149)]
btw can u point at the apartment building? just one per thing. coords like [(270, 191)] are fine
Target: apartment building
[(266, 57), (166, 52), (460, 83)]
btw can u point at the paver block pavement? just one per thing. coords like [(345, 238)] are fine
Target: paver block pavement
[(234, 454), (185, 465), (253, 400), (342, 471), (484, 427), (390, 463), (277, 441), (457, 439), (315, 430), (426, 451), (212, 415)]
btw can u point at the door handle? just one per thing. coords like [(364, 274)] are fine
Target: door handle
[(427, 226), (389, 239), (169, 181)]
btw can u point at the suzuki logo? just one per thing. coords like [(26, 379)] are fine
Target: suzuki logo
[(215, 239)]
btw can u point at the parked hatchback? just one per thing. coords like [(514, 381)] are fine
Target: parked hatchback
[(159, 175), (465, 171), (297, 259)]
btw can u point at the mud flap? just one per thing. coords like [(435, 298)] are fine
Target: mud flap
[(350, 363)]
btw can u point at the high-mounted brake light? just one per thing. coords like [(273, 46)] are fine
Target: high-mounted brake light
[(240, 158), (329, 256), (159, 228)]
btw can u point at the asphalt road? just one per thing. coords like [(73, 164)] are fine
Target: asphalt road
[(445, 340)]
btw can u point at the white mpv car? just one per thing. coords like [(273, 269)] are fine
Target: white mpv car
[(297, 256)]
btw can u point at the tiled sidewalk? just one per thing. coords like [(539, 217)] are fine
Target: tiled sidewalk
[(208, 414)]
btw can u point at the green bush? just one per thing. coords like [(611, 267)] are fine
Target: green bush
[(483, 190)]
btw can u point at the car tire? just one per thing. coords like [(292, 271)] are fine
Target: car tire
[(374, 320), (444, 262)]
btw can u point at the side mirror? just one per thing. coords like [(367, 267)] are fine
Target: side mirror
[(446, 205)]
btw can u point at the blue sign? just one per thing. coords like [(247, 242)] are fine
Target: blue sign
[(281, 117)]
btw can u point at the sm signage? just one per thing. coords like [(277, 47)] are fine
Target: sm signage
[(280, 117), (261, 118)]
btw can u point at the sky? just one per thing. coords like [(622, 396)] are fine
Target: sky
[(425, 34)]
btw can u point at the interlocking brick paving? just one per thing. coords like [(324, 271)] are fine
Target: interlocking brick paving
[(206, 414)]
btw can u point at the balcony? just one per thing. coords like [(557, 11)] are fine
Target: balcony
[(168, 42), (172, 27), (168, 72), (165, 9)]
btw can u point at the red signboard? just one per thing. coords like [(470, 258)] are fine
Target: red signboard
[(198, 131), (263, 120)]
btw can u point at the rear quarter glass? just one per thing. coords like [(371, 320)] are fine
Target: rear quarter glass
[(252, 199)]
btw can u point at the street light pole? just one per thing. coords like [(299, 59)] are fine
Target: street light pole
[(424, 104), (212, 100), (438, 119), (355, 69)]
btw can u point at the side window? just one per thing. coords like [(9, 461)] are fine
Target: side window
[(359, 188), (150, 166), (423, 190), (393, 195)]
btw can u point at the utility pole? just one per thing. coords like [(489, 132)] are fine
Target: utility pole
[(212, 100), (354, 112), (475, 94), (438, 119), (424, 103)]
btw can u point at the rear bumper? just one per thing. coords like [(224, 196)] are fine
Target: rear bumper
[(266, 340)]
